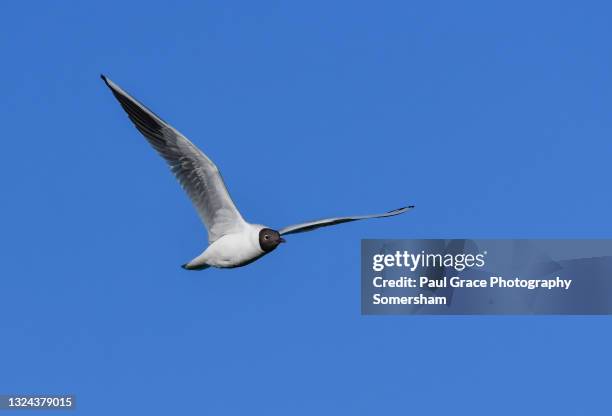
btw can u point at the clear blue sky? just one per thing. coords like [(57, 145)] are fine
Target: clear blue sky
[(493, 119)]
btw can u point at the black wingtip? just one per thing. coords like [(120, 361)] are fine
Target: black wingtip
[(402, 208), (105, 80)]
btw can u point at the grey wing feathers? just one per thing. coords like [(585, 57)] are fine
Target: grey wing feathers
[(313, 225), (197, 174)]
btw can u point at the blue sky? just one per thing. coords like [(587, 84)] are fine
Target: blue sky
[(493, 119)]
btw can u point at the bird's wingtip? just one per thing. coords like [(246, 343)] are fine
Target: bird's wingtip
[(105, 79), (402, 209)]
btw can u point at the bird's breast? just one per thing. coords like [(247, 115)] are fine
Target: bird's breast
[(233, 250)]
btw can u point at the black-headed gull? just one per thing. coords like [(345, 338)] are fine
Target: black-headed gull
[(233, 242)]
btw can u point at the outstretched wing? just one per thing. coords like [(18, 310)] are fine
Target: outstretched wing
[(197, 174), (313, 225)]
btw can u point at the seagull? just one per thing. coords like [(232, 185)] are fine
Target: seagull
[(232, 241)]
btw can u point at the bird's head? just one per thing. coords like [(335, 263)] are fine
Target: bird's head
[(269, 239)]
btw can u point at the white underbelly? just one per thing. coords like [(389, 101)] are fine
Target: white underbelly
[(231, 251)]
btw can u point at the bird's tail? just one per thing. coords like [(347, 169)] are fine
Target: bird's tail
[(186, 266)]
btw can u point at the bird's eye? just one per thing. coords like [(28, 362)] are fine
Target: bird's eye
[(267, 237)]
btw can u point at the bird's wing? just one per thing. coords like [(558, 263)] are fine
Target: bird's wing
[(197, 174), (313, 225)]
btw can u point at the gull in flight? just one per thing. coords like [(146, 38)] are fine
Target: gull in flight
[(233, 242)]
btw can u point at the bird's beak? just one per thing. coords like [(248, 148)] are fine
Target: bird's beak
[(282, 240)]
